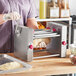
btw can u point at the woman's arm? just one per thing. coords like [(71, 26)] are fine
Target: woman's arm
[(1, 19), (31, 23)]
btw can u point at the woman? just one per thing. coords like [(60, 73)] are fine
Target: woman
[(11, 12)]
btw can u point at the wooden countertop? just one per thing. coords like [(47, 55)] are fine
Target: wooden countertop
[(47, 66)]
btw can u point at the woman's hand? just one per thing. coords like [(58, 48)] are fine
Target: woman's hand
[(31, 23), (1, 19), (11, 16)]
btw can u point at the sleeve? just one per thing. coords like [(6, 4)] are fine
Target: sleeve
[(32, 10)]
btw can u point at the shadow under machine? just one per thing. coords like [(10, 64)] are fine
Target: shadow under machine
[(31, 44)]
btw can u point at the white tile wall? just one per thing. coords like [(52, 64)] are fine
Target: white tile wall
[(72, 4)]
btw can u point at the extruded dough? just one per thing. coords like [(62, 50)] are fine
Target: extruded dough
[(10, 66)]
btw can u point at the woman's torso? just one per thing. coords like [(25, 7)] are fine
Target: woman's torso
[(6, 29)]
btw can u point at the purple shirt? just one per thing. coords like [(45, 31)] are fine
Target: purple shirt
[(25, 8)]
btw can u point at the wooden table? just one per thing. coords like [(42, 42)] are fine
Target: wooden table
[(47, 66)]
